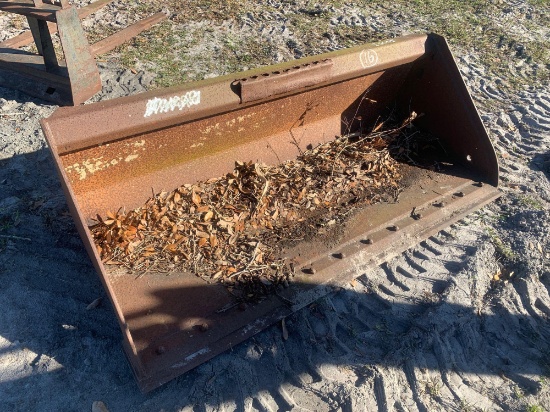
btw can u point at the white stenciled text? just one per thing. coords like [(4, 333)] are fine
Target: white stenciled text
[(368, 58), (156, 105)]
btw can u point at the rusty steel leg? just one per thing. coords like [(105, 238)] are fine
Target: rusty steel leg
[(35, 33), (109, 43), (82, 69), (46, 47)]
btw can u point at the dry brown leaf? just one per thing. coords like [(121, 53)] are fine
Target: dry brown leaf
[(172, 247), (196, 198), (202, 242), (202, 234), (213, 240)]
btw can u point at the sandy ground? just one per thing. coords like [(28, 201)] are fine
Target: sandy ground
[(430, 330)]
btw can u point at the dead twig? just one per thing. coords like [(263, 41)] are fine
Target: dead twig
[(12, 237)]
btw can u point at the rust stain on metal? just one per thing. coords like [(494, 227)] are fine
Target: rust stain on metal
[(110, 154)]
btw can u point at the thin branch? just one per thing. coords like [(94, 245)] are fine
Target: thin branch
[(15, 237)]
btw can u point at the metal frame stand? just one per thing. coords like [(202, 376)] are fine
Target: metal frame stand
[(74, 78), (70, 81)]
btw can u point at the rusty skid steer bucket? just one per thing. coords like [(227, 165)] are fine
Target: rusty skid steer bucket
[(111, 154)]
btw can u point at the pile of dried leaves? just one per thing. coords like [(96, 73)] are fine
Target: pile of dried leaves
[(232, 229)]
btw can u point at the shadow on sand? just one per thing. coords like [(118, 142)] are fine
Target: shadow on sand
[(57, 354)]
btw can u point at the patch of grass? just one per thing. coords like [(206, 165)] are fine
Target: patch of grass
[(249, 52), (17, 22), (518, 392), (212, 10), (165, 48), (494, 33), (160, 47), (177, 56), (503, 250), (472, 26), (433, 388), (544, 3), (502, 216), (534, 408), (465, 406), (531, 202)]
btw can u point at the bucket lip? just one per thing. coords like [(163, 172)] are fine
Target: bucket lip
[(115, 119), (422, 37)]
